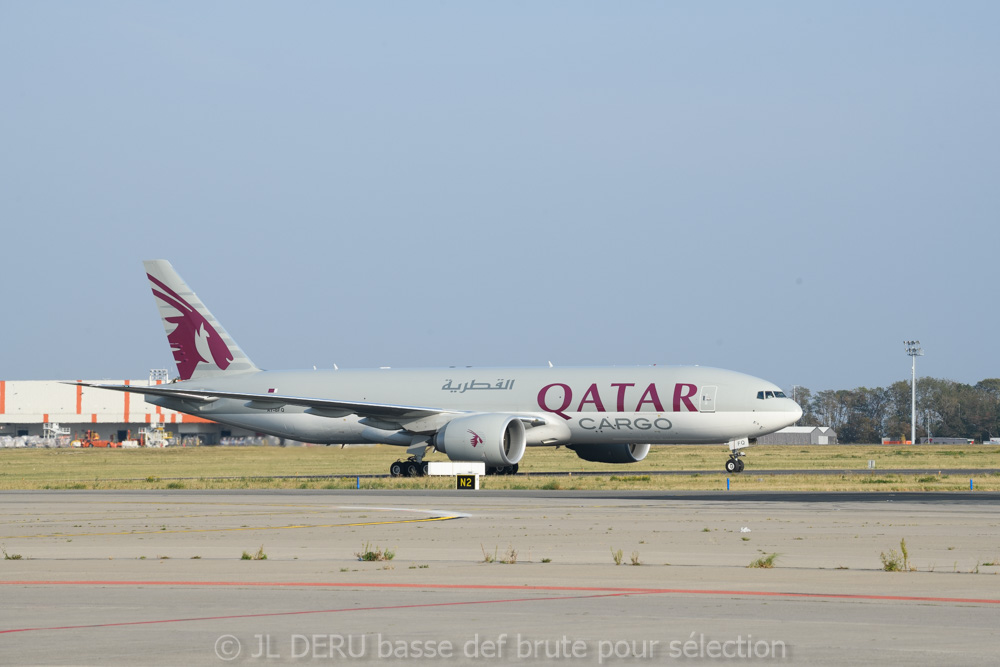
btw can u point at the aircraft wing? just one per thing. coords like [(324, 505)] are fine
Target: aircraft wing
[(409, 417), (323, 406)]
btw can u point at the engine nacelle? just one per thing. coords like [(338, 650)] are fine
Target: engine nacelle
[(496, 440), (611, 453)]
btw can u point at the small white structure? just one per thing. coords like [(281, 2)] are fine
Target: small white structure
[(53, 431), (800, 435), (466, 473), (456, 468)]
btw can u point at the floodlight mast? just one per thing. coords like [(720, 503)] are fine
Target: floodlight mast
[(914, 350)]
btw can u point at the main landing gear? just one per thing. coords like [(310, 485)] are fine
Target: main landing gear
[(408, 468), (502, 470)]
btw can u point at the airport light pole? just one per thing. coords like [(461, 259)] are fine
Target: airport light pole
[(914, 350)]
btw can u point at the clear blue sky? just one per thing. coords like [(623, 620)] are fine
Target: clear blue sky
[(786, 189)]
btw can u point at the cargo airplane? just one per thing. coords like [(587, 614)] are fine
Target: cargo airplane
[(604, 414)]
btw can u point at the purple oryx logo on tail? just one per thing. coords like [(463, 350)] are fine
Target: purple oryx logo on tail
[(193, 339), (475, 439)]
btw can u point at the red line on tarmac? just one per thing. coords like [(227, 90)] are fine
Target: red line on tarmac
[(592, 592), (500, 587)]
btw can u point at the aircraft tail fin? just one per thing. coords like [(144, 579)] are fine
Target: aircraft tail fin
[(201, 347)]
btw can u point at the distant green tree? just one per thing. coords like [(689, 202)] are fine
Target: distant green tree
[(869, 411), (804, 398), (989, 390), (897, 421), (944, 409), (831, 407)]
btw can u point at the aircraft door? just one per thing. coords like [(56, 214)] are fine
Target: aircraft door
[(708, 399)]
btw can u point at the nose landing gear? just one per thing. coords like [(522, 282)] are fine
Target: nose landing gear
[(736, 447)]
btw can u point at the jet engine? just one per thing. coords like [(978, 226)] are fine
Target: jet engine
[(496, 440), (611, 453)]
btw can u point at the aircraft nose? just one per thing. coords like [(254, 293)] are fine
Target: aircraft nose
[(796, 411)]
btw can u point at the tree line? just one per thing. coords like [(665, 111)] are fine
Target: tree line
[(945, 409)]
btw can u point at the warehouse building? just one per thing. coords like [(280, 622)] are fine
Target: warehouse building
[(57, 412), (800, 435)]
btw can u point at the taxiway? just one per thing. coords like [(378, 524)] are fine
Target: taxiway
[(157, 578)]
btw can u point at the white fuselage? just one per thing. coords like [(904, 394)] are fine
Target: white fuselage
[(581, 405)]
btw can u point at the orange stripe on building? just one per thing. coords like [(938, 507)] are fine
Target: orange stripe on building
[(79, 399), (3, 396), (93, 418), (173, 419), (149, 419), (45, 418), (128, 398), (189, 419)]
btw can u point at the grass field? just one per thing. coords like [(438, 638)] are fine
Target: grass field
[(264, 467)]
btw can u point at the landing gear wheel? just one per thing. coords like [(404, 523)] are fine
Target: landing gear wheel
[(412, 469), (513, 469), (733, 465), (739, 465), (396, 469), (424, 469)]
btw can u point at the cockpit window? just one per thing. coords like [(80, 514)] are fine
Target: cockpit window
[(770, 394)]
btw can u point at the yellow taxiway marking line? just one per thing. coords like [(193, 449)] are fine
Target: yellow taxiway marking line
[(219, 530)]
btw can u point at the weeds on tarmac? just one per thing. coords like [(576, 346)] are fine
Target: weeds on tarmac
[(897, 562), (259, 555), (764, 562), (376, 554)]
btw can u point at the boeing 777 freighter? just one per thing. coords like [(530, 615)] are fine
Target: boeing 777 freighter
[(604, 414)]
